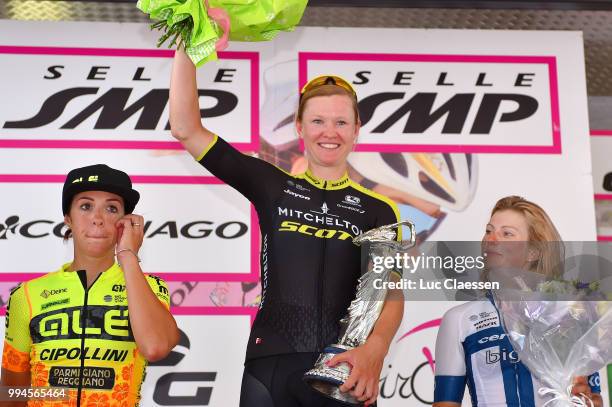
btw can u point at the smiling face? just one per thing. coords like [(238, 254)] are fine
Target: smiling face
[(329, 128), (506, 240), (92, 218)]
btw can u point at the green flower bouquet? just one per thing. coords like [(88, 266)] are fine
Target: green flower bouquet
[(202, 27)]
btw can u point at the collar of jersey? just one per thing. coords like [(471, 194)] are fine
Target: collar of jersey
[(112, 270), (339, 183)]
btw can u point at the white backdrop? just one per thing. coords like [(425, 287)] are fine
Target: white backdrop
[(513, 102)]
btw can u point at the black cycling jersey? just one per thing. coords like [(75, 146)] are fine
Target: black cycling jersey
[(309, 265)]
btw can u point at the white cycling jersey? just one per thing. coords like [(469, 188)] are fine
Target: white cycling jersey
[(472, 348)]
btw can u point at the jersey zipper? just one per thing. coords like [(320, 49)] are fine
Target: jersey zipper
[(83, 322), (321, 283)]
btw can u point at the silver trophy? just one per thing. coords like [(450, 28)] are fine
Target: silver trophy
[(363, 312)]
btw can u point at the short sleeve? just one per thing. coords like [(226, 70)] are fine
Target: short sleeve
[(160, 289), (248, 175), (450, 372), (17, 340)]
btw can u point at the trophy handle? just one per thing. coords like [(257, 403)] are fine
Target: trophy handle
[(387, 234)]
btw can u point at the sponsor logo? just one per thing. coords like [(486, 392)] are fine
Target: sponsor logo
[(120, 298), (340, 183), (492, 338), (100, 378), (171, 229), (161, 286), (47, 293), (594, 380), (289, 226), (108, 107), (482, 325), (473, 318), (110, 322), (457, 97), (326, 220), (297, 186), (108, 298), (295, 194), (495, 356), (352, 200), (55, 303), (351, 208), (490, 321), (104, 354), (9, 225), (118, 288)]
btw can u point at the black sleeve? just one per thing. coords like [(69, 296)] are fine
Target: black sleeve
[(389, 214), (248, 175)]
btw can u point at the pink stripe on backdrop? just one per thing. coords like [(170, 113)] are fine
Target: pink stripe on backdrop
[(604, 238), (114, 144), (216, 311), (603, 197), (457, 148), (554, 105), (555, 148), (603, 133), (137, 179), (97, 52), (252, 57)]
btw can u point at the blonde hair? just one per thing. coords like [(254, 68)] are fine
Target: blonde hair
[(543, 235), (326, 90)]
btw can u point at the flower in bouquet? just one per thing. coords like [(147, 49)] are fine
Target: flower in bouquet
[(200, 28)]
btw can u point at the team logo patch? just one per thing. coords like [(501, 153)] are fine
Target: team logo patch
[(353, 200)]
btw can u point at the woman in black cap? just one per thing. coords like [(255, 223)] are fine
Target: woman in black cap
[(92, 325)]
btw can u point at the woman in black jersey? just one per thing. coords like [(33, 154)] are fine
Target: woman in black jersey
[(309, 265)]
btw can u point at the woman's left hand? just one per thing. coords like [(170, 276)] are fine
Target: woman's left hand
[(131, 232), (366, 364), (582, 389)]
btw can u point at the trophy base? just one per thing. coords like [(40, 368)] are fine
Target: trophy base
[(327, 380)]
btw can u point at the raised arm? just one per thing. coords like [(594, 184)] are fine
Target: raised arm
[(185, 119)]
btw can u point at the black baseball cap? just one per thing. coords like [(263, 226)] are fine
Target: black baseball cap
[(99, 177)]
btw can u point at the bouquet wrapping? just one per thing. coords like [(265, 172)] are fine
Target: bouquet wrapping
[(560, 329), (203, 26)]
